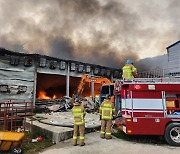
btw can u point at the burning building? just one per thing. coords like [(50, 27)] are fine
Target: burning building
[(29, 77)]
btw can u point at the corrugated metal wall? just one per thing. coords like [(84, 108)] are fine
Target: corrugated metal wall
[(18, 73), (19, 79), (174, 58)]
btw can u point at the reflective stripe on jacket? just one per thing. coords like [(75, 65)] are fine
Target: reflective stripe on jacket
[(128, 71), (107, 110), (78, 114)]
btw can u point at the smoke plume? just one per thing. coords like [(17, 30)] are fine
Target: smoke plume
[(104, 32)]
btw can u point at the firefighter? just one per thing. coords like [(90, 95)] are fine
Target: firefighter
[(129, 71), (107, 112), (79, 122)]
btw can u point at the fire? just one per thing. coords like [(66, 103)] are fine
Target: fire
[(42, 95), (96, 96), (54, 96)]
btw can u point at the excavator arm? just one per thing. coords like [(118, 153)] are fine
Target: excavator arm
[(85, 79), (81, 84)]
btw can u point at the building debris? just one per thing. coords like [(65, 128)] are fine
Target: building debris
[(66, 119)]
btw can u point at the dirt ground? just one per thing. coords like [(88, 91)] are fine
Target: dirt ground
[(96, 145)]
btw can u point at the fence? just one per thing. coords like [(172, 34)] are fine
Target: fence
[(156, 74), (13, 116)]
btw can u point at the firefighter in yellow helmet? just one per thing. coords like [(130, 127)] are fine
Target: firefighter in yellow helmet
[(107, 112), (79, 122), (129, 71)]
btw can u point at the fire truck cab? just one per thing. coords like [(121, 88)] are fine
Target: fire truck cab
[(150, 107)]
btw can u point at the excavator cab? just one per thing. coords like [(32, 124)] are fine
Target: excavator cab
[(106, 89)]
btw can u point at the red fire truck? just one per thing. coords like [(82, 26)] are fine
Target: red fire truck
[(149, 107)]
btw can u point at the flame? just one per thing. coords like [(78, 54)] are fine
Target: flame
[(96, 96), (54, 96), (42, 95)]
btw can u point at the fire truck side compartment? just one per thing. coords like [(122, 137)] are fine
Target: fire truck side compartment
[(144, 109)]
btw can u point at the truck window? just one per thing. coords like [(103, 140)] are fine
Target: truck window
[(105, 90), (111, 89)]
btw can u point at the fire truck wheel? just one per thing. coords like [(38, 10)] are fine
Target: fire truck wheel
[(172, 134)]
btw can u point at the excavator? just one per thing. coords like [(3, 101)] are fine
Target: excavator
[(90, 86), (94, 82)]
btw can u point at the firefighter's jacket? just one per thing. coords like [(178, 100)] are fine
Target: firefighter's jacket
[(129, 71), (107, 110), (78, 115)]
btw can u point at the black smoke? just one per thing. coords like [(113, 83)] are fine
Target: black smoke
[(104, 32)]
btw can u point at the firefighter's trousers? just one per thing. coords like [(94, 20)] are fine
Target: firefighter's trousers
[(78, 132), (106, 129)]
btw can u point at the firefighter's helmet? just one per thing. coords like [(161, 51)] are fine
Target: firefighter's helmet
[(107, 96), (77, 101), (129, 61)]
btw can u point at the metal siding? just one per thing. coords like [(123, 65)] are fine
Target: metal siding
[(46, 70), (58, 72), (174, 58), (15, 76)]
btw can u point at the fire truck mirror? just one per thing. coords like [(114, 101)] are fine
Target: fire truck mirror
[(151, 87)]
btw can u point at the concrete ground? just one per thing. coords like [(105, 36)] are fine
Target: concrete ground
[(58, 133), (96, 145)]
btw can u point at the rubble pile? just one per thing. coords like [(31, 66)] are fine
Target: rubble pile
[(90, 105), (55, 105), (65, 104), (66, 119)]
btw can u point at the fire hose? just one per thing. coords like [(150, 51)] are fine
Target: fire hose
[(67, 125), (117, 117)]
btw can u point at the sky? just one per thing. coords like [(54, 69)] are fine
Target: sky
[(105, 32)]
